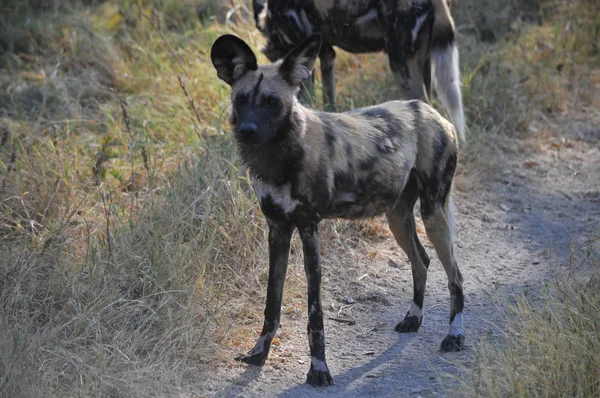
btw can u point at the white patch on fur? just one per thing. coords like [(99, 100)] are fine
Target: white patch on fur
[(418, 23), (368, 25), (451, 213), (318, 365), (447, 82), (260, 344), (263, 17), (456, 327), (415, 311), (366, 18), (281, 195)]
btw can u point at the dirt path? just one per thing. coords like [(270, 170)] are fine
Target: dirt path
[(517, 215)]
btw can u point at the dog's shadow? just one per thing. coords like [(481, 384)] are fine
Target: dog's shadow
[(343, 381), (237, 385)]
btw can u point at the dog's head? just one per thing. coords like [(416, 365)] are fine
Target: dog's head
[(263, 96)]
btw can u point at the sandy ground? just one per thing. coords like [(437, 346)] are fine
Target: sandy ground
[(519, 211)]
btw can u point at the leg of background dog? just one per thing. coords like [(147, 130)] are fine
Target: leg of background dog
[(280, 235), (318, 375), (407, 40), (402, 225), (437, 216), (327, 57)]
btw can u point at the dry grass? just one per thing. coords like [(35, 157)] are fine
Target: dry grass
[(131, 241), (549, 347)]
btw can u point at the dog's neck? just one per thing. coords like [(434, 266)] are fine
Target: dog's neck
[(279, 161)]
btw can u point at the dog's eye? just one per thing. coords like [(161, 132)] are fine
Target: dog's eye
[(272, 101)]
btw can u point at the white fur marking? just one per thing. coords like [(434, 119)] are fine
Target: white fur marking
[(318, 365), (451, 213), (260, 344), (456, 327), (415, 310), (366, 18), (281, 195), (418, 23), (262, 18), (368, 25)]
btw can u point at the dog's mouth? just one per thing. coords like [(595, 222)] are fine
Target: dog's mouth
[(256, 140)]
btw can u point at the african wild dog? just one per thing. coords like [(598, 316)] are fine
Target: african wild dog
[(306, 166), (414, 33)]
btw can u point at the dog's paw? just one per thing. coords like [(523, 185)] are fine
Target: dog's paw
[(318, 378), (453, 343), (409, 324), (256, 359)]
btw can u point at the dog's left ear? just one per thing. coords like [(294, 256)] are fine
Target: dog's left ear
[(232, 58), (299, 63)]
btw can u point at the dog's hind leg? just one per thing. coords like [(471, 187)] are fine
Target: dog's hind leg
[(280, 235), (318, 375), (438, 219), (402, 224)]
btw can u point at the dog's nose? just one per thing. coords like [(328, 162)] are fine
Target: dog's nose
[(248, 129)]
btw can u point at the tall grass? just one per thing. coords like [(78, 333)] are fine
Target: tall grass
[(131, 242), (131, 239), (127, 224), (549, 347)]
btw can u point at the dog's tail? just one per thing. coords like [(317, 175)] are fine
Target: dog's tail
[(444, 54)]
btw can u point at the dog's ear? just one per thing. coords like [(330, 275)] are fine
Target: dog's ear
[(299, 63), (232, 58)]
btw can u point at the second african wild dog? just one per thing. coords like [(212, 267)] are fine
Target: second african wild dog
[(307, 166), (414, 33)]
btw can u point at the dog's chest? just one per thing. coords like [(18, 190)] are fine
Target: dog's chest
[(275, 200), (271, 195)]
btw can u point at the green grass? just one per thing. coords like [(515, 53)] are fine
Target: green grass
[(132, 244)]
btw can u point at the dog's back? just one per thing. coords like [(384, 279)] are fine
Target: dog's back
[(358, 163)]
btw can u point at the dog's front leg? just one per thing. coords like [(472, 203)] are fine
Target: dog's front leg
[(280, 235), (318, 375)]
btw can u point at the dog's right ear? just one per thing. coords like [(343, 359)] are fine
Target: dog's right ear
[(232, 58)]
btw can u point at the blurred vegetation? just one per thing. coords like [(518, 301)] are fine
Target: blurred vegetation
[(131, 240)]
